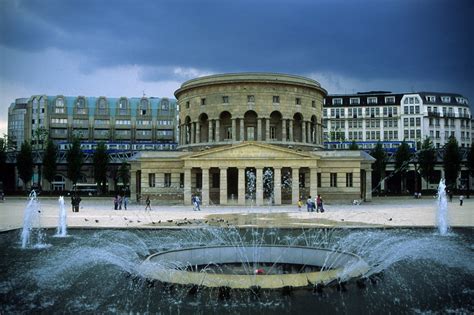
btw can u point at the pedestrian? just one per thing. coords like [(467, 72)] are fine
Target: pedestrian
[(125, 202), (77, 203), (73, 202), (116, 202), (309, 204), (197, 203), (120, 201), (300, 203), (461, 199), (319, 204), (193, 202), (147, 201)]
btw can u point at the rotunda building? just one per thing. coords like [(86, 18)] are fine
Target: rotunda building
[(250, 139), (277, 109)]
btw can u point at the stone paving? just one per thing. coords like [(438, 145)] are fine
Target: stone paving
[(381, 212)]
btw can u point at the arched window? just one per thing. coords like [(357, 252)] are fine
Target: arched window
[(165, 104), (59, 107), (123, 106), (81, 106), (102, 107), (143, 108)]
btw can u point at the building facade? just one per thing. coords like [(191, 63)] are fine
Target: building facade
[(125, 125), (250, 138)]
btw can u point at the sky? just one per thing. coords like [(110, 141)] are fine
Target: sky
[(134, 47)]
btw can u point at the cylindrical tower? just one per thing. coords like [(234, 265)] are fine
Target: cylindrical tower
[(273, 108)]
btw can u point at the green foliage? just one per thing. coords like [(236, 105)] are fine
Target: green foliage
[(24, 162), (353, 146), (470, 160), (101, 161), (451, 162), (427, 160), (380, 156), (74, 158), (402, 161), (49, 161)]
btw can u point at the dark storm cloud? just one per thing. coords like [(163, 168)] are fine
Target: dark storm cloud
[(362, 39)]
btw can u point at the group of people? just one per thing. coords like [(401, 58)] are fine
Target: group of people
[(75, 201), (119, 201), (312, 205)]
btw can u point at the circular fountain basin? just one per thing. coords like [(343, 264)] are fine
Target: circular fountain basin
[(170, 266)]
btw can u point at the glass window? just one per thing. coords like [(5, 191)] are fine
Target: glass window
[(251, 98), (225, 99), (151, 180), (167, 180), (276, 99), (333, 179)]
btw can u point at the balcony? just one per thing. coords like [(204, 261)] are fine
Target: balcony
[(433, 114)]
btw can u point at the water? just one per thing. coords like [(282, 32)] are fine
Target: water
[(442, 209), (98, 271), (62, 222), (32, 234)]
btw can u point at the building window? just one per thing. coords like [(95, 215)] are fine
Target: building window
[(251, 98), (337, 101), (151, 180), (298, 101), (181, 180), (123, 106), (273, 133), (372, 100), (276, 99), (81, 106), (446, 99), (143, 107), (228, 133), (354, 101), (431, 98), (187, 104), (390, 100), (167, 179), (319, 179), (165, 104), (348, 179), (215, 180), (313, 103), (199, 180), (59, 109), (225, 99), (203, 101), (333, 179), (102, 107)]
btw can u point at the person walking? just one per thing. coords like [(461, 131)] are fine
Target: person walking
[(319, 204), (125, 202), (197, 202), (309, 204), (147, 202), (300, 203), (461, 200), (120, 201), (116, 202)]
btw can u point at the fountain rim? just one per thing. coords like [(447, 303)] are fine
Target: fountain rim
[(274, 281)]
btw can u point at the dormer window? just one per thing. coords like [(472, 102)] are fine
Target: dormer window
[(354, 101), (165, 104), (123, 106), (390, 100), (143, 109), (59, 106), (446, 99), (81, 106), (102, 106), (371, 100), (337, 101), (431, 98)]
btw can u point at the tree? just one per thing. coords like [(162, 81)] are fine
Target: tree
[(378, 167), (427, 160), (470, 165), (24, 162), (402, 161), (49, 161), (353, 146), (124, 174), (451, 162), (101, 161), (74, 158)]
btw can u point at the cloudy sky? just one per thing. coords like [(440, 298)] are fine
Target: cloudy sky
[(130, 47)]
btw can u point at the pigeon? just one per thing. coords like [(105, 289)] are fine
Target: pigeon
[(96, 221), (86, 220)]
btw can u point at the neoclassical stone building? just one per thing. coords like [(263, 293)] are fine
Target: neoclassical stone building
[(251, 138)]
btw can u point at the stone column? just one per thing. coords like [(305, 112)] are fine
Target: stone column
[(291, 130), (368, 185), (241, 188), (211, 126), (277, 185), (187, 186), (259, 129), (223, 185), (205, 186), (259, 188), (283, 130), (295, 185), (192, 133), (218, 127), (198, 132), (242, 132), (267, 129), (234, 130), (313, 177), (303, 131)]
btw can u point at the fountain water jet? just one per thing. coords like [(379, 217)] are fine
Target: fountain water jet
[(31, 219), (442, 213), (62, 223)]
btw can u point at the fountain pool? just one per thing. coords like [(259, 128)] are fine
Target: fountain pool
[(100, 271)]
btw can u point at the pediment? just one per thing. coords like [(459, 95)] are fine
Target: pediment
[(251, 151)]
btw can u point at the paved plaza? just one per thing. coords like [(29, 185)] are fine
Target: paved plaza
[(381, 212)]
